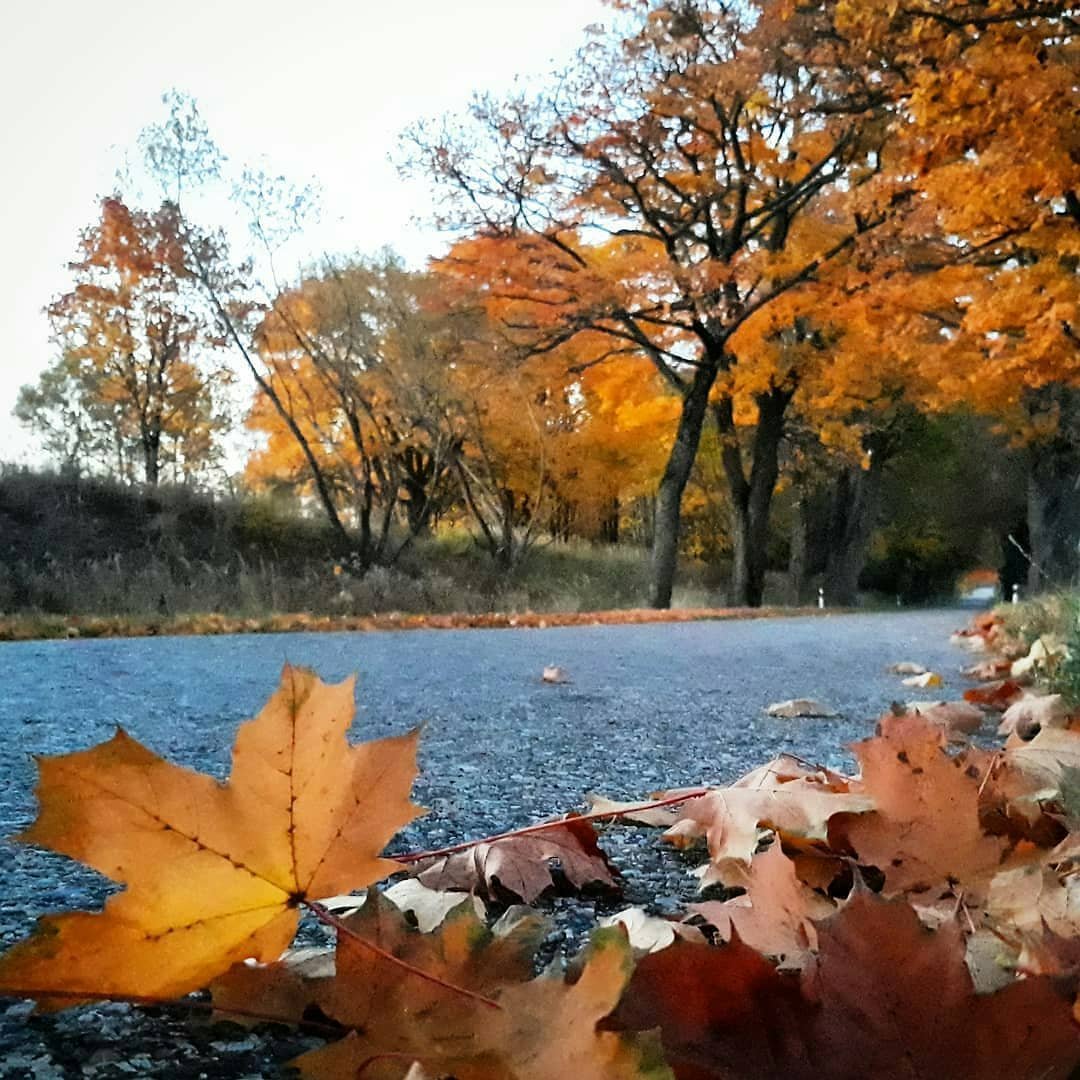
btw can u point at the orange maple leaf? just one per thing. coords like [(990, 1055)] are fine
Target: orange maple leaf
[(884, 997), (542, 1029), (775, 914), (520, 864), (215, 873), (916, 787)]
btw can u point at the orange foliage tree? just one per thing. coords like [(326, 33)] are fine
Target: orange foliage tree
[(687, 177), (350, 356), (983, 304), (131, 330)]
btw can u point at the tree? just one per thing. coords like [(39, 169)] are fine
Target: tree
[(716, 147), (131, 330), (986, 305), (351, 356), (77, 425)]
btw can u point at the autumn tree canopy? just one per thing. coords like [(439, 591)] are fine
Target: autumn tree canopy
[(135, 337), (735, 251), (691, 173), (993, 139)]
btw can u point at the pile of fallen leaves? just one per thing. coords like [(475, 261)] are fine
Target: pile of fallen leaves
[(917, 920)]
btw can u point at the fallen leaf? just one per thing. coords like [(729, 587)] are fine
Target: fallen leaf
[(924, 681), (897, 1000), (1045, 757), (1041, 659), (775, 916), (1028, 716), (990, 962), (1031, 898), (430, 906), (659, 817), (972, 642), (784, 768), (521, 863), (800, 707), (915, 786), (214, 872), (724, 1012), (647, 933), (732, 819), (1069, 792), (988, 670), (554, 674), (884, 997), (997, 696), (392, 1010), (544, 1029), (956, 717)]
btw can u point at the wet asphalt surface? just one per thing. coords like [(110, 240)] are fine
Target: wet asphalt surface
[(646, 707)]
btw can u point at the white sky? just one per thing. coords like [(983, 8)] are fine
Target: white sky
[(320, 88)]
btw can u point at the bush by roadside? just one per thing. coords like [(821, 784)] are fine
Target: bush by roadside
[(1054, 616), (97, 550)]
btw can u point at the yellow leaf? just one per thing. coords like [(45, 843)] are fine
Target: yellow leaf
[(215, 872)]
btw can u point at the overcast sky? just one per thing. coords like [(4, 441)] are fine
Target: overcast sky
[(320, 88)]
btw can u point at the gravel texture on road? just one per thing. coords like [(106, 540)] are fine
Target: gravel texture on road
[(646, 707)]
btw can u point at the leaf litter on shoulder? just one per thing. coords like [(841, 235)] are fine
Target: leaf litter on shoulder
[(811, 975)]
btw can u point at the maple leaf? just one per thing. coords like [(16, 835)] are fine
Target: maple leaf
[(724, 1013), (215, 872), (897, 1000), (916, 786), (648, 933), (1030, 715), (924, 681), (520, 863), (1069, 791), (1031, 899), (783, 796), (661, 817), (1046, 756), (798, 708), (391, 1009), (429, 907), (543, 1029), (884, 997), (988, 670), (997, 696), (775, 915), (906, 667), (957, 718)]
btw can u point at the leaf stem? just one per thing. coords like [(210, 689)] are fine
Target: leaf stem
[(543, 826), (344, 930)]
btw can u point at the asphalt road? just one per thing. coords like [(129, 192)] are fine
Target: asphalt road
[(647, 707)]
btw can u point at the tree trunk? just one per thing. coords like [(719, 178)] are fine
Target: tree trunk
[(751, 500), (1054, 514), (809, 537), (666, 519), (609, 527), (855, 504), (798, 557), (151, 460)]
